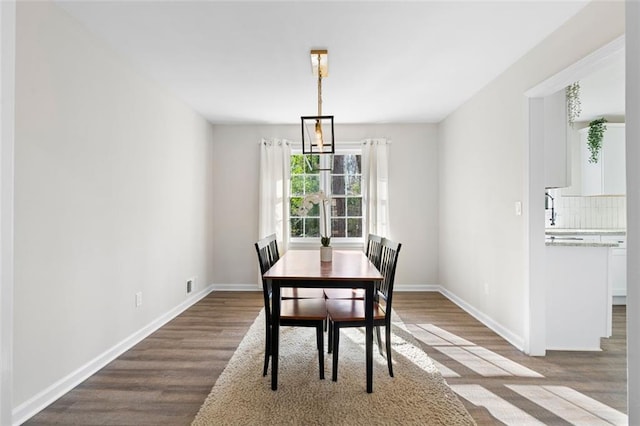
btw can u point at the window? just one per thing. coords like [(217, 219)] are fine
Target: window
[(340, 177)]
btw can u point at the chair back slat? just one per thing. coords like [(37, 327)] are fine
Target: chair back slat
[(374, 249), (388, 261)]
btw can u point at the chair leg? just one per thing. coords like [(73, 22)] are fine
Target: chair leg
[(336, 346), (330, 338), (387, 335), (379, 340), (320, 339), (267, 351)]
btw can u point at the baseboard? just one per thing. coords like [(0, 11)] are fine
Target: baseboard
[(237, 287), (416, 287), (506, 334), (254, 287), (31, 407)]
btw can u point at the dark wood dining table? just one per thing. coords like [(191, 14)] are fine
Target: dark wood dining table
[(302, 268)]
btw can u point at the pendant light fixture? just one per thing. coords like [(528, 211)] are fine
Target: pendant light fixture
[(317, 131)]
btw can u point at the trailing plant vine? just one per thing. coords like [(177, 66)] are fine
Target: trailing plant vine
[(594, 139), (574, 108)]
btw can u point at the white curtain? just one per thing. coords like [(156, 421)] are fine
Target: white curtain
[(375, 174), (274, 190)]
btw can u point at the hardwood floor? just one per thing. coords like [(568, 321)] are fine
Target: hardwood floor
[(164, 379)]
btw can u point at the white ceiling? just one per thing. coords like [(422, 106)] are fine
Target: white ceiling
[(389, 61)]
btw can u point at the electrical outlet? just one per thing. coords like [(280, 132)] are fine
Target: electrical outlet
[(190, 284), (486, 288), (138, 299)]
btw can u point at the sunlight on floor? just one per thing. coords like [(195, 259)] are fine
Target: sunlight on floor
[(498, 407), (564, 402), (477, 358), (571, 405)]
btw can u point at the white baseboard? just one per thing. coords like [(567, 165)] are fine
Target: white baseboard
[(31, 407), (254, 287), (237, 287), (506, 334)]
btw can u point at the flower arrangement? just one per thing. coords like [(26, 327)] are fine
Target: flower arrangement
[(307, 204)]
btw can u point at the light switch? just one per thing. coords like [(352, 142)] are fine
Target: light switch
[(518, 208)]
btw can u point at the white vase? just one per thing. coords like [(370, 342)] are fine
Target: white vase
[(326, 253)]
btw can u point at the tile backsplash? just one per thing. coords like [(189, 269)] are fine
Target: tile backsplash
[(588, 212)]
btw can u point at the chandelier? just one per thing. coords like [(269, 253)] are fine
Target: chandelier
[(317, 130)]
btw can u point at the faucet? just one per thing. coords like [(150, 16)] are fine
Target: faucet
[(546, 206)]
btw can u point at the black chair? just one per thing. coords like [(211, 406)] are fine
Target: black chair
[(374, 247), (351, 313), (293, 312), (291, 292)]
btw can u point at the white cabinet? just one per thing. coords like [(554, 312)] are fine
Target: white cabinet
[(607, 176), (557, 174), (618, 269)]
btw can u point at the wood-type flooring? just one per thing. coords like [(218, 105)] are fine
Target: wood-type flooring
[(164, 379)]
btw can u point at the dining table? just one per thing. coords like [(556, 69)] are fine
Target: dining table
[(303, 268)]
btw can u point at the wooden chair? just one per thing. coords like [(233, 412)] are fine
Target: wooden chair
[(350, 313), (293, 312), (374, 247), (291, 292)]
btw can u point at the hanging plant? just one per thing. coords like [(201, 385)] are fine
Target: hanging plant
[(574, 108), (594, 139)]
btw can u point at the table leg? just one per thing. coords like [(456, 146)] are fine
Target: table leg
[(369, 334), (275, 332)]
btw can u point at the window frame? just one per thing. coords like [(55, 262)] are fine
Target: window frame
[(325, 183)]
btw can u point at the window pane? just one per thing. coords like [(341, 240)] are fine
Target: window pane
[(352, 164), (354, 227), (353, 185), (337, 228), (294, 205), (338, 164), (297, 164), (338, 207), (354, 206), (296, 227), (337, 185), (312, 227), (311, 163), (312, 184), (297, 185)]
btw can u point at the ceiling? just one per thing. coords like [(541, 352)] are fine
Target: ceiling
[(389, 61)]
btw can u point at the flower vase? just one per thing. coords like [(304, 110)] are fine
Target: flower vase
[(326, 253)]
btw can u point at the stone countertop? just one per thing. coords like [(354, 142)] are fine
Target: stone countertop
[(577, 243), (568, 231)]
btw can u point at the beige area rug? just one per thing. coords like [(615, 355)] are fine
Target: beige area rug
[(416, 395)]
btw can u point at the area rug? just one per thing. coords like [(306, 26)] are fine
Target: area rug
[(416, 395)]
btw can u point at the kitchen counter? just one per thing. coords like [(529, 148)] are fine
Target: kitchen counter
[(567, 237), (568, 231), (562, 242)]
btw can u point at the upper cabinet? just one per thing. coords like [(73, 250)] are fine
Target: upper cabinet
[(557, 172), (607, 175)]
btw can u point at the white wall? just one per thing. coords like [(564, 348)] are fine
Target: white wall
[(482, 148), (113, 196), (413, 186)]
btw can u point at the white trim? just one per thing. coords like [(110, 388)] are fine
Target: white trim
[(237, 287), (535, 325), (580, 69), (29, 408), (417, 287), (487, 321)]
